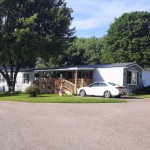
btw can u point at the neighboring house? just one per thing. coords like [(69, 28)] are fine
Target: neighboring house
[(146, 77), (124, 74)]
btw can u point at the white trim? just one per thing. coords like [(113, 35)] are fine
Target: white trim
[(134, 65), (133, 71), (66, 69), (110, 67)]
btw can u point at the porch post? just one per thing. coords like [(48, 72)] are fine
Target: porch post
[(82, 82), (76, 81)]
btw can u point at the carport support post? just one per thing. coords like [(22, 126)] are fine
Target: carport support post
[(76, 81), (82, 82)]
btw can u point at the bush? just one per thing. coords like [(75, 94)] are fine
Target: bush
[(33, 91), (130, 94), (37, 75), (142, 91)]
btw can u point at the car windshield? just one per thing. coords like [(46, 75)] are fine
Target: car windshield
[(113, 84)]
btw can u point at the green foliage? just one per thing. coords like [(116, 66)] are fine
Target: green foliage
[(33, 91), (145, 90), (37, 75), (142, 91), (130, 94), (54, 75), (128, 39), (84, 51), (31, 29)]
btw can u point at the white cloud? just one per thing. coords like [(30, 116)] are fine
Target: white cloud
[(90, 14)]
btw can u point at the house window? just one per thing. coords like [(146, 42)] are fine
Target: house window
[(85, 74), (132, 77), (1, 78), (25, 78)]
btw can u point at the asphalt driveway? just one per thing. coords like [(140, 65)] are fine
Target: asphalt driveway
[(103, 126)]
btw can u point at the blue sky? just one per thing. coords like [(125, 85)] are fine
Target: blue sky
[(93, 17)]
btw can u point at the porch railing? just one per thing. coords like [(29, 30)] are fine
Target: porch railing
[(82, 82), (54, 84), (69, 85)]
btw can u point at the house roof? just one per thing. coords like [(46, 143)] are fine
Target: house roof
[(83, 67), (86, 67)]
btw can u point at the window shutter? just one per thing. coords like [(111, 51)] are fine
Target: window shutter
[(28, 78), (138, 78), (127, 77)]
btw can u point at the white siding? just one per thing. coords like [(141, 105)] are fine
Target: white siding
[(108, 75), (19, 85), (146, 78), (22, 86)]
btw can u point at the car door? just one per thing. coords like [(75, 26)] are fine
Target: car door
[(91, 89), (99, 91)]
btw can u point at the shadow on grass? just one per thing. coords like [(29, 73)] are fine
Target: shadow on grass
[(42, 96), (13, 94), (126, 97), (123, 98), (6, 95)]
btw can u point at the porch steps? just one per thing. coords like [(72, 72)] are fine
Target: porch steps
[(66, 90)]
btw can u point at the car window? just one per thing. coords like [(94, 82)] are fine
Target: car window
[(94, 85), (102, 84), (113, 84)]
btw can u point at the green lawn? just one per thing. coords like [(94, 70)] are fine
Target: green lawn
[(53, 98)]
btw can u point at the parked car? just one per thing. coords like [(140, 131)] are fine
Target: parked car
[(106, 89)]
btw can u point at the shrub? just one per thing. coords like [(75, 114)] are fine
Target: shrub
[(130, 94), (54, 75), (33, 91), (37, 75), (142, 91)]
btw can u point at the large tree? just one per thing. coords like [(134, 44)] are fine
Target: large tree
[(83, 51), (31, 29), (128, 39)]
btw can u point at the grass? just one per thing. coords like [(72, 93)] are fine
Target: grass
[(54, 98)]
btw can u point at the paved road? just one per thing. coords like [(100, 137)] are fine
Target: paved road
[(34, 126)]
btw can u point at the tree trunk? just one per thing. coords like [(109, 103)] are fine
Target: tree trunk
[(10, 85)]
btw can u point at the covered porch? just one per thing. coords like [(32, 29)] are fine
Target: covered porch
[(70, 78)]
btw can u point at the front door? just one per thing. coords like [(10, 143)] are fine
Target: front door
[(70, 75)]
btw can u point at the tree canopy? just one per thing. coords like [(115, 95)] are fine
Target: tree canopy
[(128, 39), (31, 29), (83, 51)]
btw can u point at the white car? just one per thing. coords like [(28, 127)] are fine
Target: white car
[(106, 89)]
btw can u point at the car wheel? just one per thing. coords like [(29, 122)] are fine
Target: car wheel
[(118, 96), (107, 94), (82, 93)]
